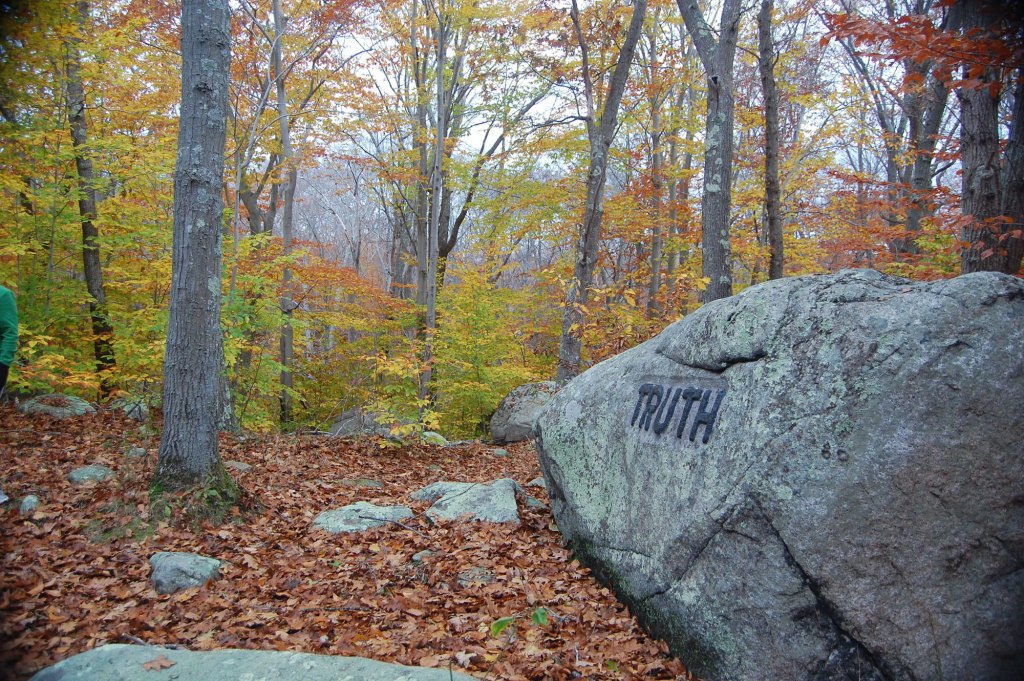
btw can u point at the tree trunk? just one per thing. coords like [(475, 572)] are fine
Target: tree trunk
[(195, 352), (979, 145), (600, 135), (436, 201), (101, 329), (1013, 181), (287, 304), (657, 237), (717, 58), (772, 192)]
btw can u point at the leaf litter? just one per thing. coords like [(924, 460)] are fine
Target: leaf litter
[(76, 571)]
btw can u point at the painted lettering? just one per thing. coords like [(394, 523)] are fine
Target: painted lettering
[(656, 409)]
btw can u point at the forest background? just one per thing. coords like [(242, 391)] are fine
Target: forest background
[(894, 129)]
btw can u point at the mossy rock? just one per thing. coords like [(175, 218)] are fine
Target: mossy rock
[(58, 406)]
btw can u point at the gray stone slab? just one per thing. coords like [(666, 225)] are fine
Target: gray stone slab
[(359, 517), (493, 502), (117, 662)]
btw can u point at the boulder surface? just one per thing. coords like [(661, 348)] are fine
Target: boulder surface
[(818, 478), (493, 502), (118, 662), (91, 473), (58, 406), (513, 420), (359, 517), (174, 570)]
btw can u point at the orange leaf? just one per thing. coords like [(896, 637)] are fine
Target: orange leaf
[(429, 661), (157, 664)]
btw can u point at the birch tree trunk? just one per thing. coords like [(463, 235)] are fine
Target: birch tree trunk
[(101, 329), (772, 192), (718, 57), (599, 134), (195, 352)]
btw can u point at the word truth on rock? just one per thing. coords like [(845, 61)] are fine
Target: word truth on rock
[(656, 407)]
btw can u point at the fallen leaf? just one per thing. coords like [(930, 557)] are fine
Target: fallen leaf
[(157, 664), (429, 661)]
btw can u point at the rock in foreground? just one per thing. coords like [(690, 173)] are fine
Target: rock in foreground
[(513, 420), (125, 663), (819, 478)]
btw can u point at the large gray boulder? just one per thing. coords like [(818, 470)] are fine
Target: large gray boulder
[(819, 478), (513, 420), (117, 662), (175, 570), (58, 406)]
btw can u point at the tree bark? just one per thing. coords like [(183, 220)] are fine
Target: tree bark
[(599, 133), (101, 328), (772, 191), (436, 201), (1013, 181), (718, 57), (979, 146), (195, 353), (656, 133), (288, 161)]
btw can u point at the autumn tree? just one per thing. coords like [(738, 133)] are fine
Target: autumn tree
[(87, 201), (993, 173), (717, 56), (600, 118), (772, 193), (194, 358)]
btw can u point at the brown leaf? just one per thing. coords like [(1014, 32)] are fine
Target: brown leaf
[(158, 663)]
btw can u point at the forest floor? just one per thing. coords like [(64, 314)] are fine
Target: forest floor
[(75, 574)]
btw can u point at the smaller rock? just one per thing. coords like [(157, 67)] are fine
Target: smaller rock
[(174, 570), (356, 422), (500, 453), (136, 453), (133, 408), (537, 482), (58, 406), (421, 556), (91, 473), (493, 502), (432, 438), (475, 575), (3, 497), (360, 516), (535, 503), (514, 418), (362, 483), (238, 466), (29, 505)]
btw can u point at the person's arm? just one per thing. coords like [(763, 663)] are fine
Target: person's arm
[(8, 327)]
